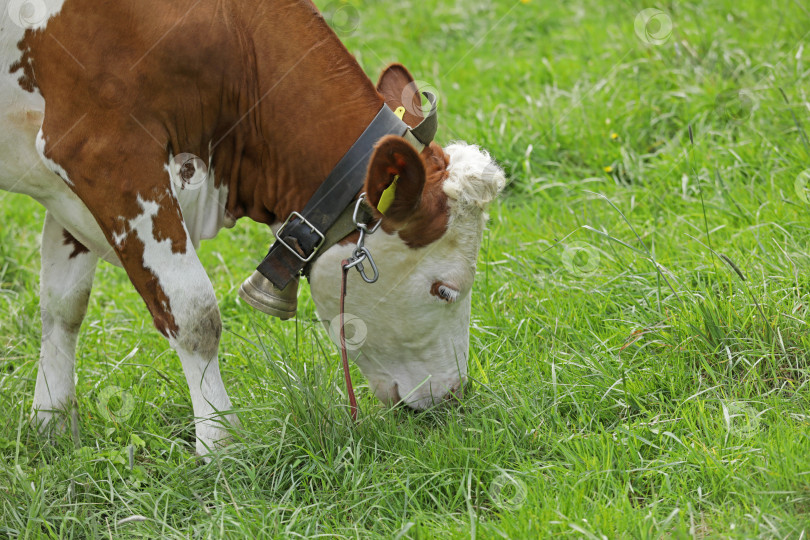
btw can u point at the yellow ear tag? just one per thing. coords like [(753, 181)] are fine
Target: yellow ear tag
[(387, 197), (390, 192)]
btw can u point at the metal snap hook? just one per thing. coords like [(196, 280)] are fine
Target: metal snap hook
[(362, 270), (361, 252), (363, 227)]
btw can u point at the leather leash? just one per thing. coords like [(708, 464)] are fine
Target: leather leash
[(358, 256), (344, 355)]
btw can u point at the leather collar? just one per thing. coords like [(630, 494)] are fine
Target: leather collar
[(304, 234)]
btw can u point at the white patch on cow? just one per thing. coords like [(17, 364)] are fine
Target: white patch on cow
[(176, 272), (203, 204), (119, 238), (20, 111), (49, 163), (417, 345)]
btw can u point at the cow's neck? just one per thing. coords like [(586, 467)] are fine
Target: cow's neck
[(314, 101)]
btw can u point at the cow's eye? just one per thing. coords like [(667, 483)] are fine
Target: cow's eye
[(444, 291)]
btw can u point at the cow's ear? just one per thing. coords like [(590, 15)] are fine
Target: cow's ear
[(397, 86), (396, 177)]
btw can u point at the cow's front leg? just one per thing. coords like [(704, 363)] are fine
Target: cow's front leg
[(65, 283), (114, 167), (157, 253)]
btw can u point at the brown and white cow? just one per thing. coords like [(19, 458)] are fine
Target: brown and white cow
[(98, 96)]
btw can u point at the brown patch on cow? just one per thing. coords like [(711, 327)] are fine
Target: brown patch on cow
[(148, 286), (78, 247), (428, 222), (167, 224), (419, 212), (394, 159), (27, 79)]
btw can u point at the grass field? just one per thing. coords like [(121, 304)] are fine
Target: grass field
[(640, 337)]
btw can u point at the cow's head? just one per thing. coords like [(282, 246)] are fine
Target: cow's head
[(409, 331)]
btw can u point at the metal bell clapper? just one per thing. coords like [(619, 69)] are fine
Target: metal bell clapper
[(260, 293)]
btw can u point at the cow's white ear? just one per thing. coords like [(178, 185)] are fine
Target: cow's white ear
[(397, 84), (396, 177)]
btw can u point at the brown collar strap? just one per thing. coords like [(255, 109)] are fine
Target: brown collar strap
[(303, 235)]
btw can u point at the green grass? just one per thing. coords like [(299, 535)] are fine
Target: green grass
[(639, 342)]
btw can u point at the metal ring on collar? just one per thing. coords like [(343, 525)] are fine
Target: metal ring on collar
[(362, 227)]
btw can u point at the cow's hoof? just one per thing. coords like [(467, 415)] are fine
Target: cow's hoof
[(214, 435), (53, 424), (261, 294)]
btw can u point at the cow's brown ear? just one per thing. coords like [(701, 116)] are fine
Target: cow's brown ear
[(397, 85), (396, 177)]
